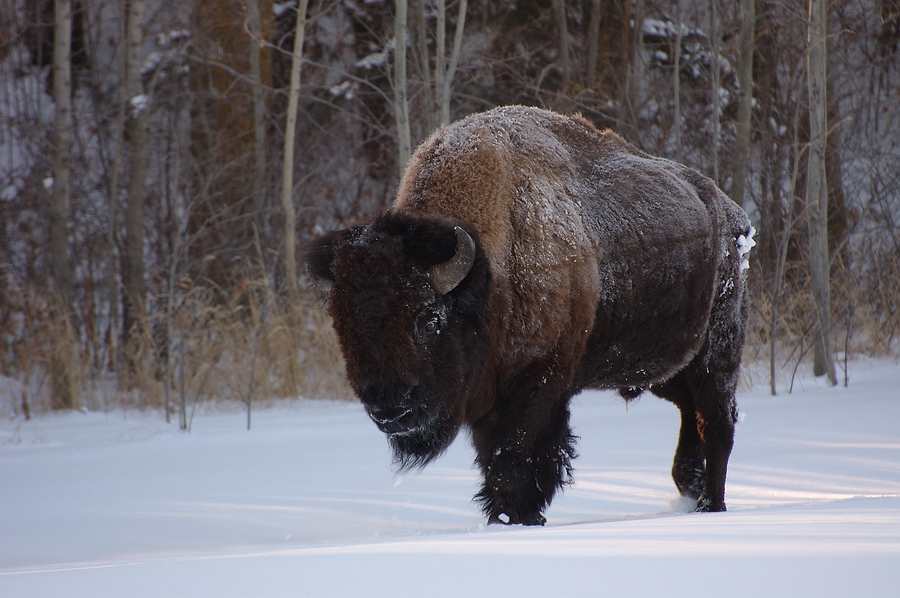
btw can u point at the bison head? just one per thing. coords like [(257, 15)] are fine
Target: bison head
[(407, 297)]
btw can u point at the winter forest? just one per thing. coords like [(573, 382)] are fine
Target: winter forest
[(161, 161)]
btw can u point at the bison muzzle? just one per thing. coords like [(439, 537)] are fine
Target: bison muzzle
[(527, 257)]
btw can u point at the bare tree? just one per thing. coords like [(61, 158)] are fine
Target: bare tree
[(61, 369), (287, 171), (440, 67), (401, 104), (115, 171), (593, 42), (419, 39), (562, 30), (447, 74), (137, 134), (716, 71), (440, 83), (62, 140), (259, 105), (817, 189), (745, 101), (676, 80)]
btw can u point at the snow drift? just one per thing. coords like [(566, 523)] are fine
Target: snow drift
[(305, 504)]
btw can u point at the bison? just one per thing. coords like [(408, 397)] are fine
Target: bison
[(529, 256)]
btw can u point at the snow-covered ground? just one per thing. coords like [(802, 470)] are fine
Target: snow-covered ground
[(306, 504)]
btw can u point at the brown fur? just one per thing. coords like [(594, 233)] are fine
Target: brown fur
[(598, 266)]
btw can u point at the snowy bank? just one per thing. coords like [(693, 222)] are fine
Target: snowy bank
[(306, 504)]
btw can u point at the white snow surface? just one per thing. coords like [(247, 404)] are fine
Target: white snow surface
[(306, 504)]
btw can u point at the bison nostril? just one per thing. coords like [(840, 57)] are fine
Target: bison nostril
[(384, 416), (391, 420)]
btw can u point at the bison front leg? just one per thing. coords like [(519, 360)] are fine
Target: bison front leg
[(525, 457)]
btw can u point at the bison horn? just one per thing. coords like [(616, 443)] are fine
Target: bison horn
[(447, 275)]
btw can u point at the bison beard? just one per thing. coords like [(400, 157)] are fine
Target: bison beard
[(417, 448), (528, 257)]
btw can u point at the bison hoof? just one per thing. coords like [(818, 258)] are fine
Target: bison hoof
[(707, 505), (535, 519), (690, 479), (691, 490)]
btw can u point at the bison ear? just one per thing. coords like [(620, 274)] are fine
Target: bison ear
[(320, 253), (446, 276)]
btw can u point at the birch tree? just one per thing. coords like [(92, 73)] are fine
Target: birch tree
[(440, 83), (817, 190), (287, 170)]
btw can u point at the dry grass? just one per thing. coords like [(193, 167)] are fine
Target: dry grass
[(249, 349), (865, 306), (251, 346)]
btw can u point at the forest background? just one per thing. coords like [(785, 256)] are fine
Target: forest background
[(161, 160)]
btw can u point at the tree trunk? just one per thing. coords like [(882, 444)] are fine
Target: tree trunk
[(676, 81), (438, 112), (817, 189), (137, 134), (401, 105), (452, 63), (259, 111), (745, 101), (422, 58), (112, 267), (562, 30), (287, 171), (593, 43), (62, 359), (716, 85), (781, 246), (62, 140), (838, 225), (440, 67)]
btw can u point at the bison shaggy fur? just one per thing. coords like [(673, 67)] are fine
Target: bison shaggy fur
[(527, 257)]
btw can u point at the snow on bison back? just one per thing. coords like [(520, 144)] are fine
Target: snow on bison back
[(529, 256)]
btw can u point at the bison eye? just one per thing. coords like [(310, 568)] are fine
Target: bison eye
[(429, 327)]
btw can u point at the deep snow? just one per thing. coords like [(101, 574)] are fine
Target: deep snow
[(306, 504)]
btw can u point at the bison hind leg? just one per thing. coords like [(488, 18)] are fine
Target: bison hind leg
[(689, 465), (708, 413)]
